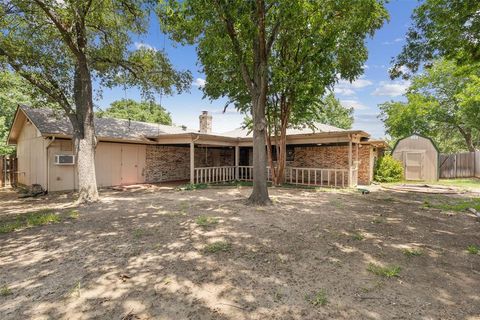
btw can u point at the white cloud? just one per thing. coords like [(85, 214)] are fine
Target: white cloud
[(357, 105), (391, 89), (396, 40), (141, 45), (199, 82), (346, 88)]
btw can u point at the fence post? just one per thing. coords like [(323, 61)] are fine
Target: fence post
[(2, 172)]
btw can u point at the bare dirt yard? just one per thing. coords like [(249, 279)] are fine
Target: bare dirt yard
[(153, 253)]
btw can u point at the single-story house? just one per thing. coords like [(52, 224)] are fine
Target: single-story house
[(132, 152)]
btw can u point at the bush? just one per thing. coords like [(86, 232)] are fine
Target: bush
[(388, 170)]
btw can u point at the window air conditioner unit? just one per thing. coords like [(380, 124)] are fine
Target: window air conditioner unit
[(64, 159)]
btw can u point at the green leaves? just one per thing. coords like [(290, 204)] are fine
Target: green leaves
[(140, 111), (443, 103), (441, 28)]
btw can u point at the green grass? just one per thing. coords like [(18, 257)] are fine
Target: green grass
[(467, 183), (192, 186), (218, 246), (387, 272), (455, 205), (5, 291), (473, 249), (38, 218), (318, 299), (73, 214), (412, 252), (206, 221), (358, 236)]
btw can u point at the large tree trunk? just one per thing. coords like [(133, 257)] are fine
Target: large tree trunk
[(259, 194), (467, 136), (84, 134)]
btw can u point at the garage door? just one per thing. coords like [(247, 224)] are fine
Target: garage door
[(118, 164)]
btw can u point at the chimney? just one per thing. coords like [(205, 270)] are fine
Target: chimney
[(205, 122)]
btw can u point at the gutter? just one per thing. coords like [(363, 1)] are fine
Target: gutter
[(46, 149)]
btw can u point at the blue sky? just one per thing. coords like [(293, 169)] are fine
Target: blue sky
[(364, 95)]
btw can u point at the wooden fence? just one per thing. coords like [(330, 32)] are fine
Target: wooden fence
[(8, 171), (459, 165)]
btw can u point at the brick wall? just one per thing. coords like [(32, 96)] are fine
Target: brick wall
[(170, 163), (335, 157), (364, 166)]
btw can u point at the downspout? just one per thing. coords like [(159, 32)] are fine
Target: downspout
[(47, 162)]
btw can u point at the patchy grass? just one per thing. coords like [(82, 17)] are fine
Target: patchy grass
[(455, 205), (138, 233), (5, 291), (38, 218), (412, 252), (357, 236), (218, 246), (473, 249), (206, 221), (192, 186), (387, 272), (461, 183), (73, 214), (318, 299)]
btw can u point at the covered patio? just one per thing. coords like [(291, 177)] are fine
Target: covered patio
[(325, 159)]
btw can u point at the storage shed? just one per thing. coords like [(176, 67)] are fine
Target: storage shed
[(419, 157)]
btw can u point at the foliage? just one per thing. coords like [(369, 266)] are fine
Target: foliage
[(14, 90), (412, 252), (387, 272), (473, 249), (145, 111), (38, 218), (333, 113), (61, 47), (206, 221), (457, 205), (218, 246), (192, 186), (5, 291), (256, 51), (388, 169), (443, 103), (318, 299), (441, 28)]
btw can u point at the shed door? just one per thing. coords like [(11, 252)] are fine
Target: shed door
[(414, 163)]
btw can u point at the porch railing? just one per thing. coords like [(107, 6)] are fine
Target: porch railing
[(322, 177), (214, 174)]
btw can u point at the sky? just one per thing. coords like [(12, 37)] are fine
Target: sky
[(364, 95)]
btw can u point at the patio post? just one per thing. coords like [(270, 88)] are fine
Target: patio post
[(192, 162), (350, 172), (237, 161)]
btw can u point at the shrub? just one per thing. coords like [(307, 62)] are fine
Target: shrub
[(388, 170)]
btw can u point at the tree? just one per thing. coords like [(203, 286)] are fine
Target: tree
[(237, 44), (14, 90), (321, 42), (443, 104), (61, 46), (146, 111), (441, 28), (333, 113)]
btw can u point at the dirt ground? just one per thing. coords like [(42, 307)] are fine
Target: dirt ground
[(139, 254)]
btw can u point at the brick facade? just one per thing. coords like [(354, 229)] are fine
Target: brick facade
[(171, 163)]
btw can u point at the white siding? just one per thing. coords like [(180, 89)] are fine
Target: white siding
[(31, 156)]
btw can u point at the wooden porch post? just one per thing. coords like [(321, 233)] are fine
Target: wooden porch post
[(350, 164), (237, 161), (192, 162)]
